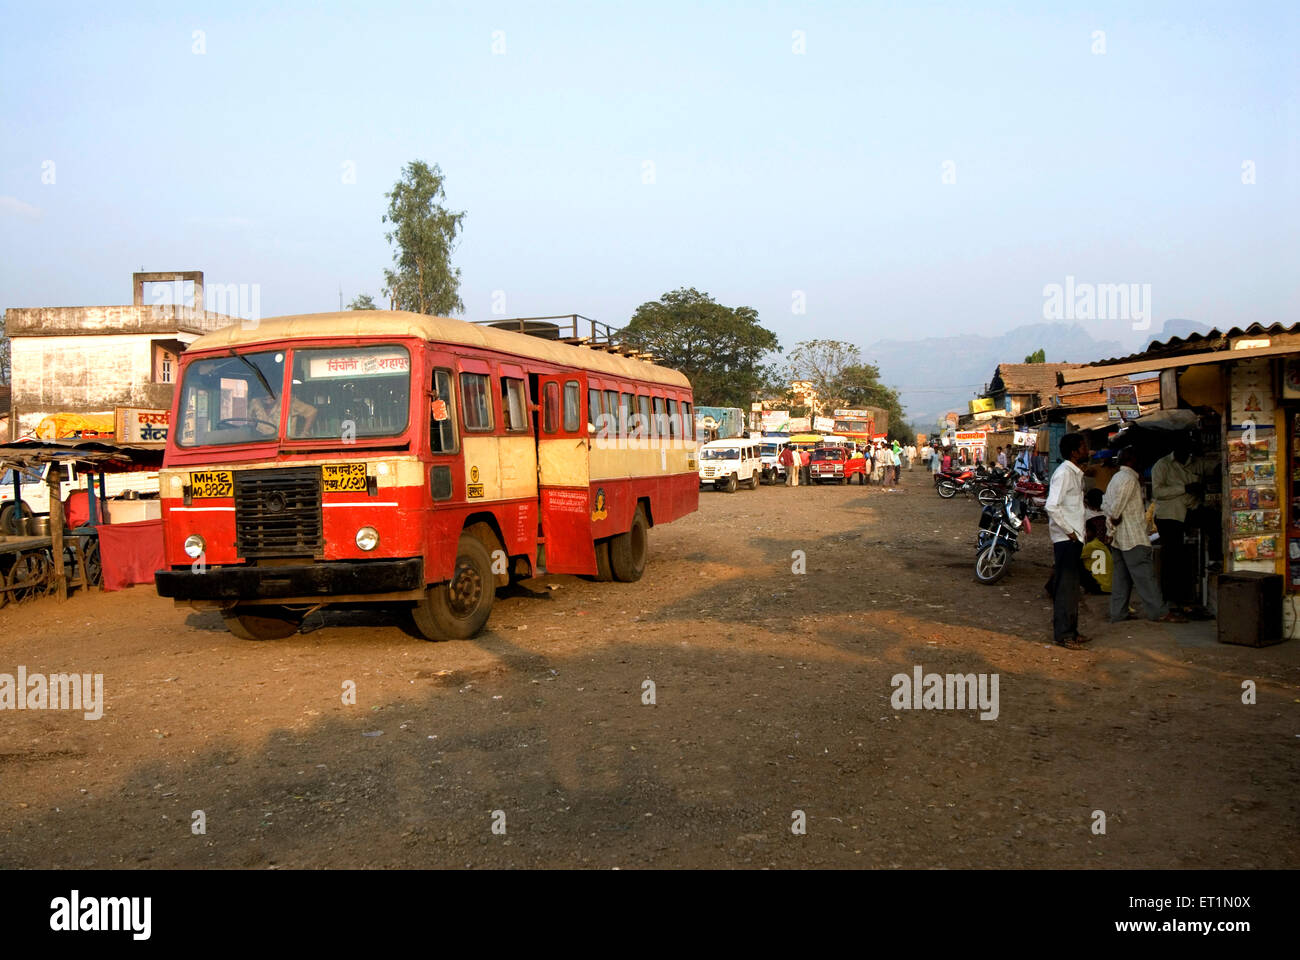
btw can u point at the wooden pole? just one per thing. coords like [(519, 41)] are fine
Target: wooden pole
[(56, 529)]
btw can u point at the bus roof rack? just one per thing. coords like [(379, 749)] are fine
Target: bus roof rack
[(571, 328)]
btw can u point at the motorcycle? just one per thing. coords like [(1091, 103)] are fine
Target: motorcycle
[(1034, 494), (991, 485), (949, 483), (999, 537)]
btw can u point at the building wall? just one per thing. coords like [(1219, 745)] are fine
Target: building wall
[(83, 374)]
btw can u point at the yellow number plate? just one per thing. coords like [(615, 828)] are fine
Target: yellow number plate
[(345, 477), (211, 483)]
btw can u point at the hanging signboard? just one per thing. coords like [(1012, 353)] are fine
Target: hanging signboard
[(141, 425), (799, 425), (1122, 402), (776, 421), (1025, 438), (823, 424), (981, 405)]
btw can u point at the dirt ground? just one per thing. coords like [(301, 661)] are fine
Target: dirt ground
[(772, 695)]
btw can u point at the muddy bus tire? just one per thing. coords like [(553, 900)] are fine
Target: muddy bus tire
[(459, 608), (261, 623), (627, 551)]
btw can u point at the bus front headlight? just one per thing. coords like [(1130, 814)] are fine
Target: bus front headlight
[(367, 538), (194, 546)]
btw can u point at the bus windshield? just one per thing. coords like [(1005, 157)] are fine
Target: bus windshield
[(350, 393), (341, 393), (231, 399)]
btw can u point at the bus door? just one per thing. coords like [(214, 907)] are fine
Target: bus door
[(563, 451)]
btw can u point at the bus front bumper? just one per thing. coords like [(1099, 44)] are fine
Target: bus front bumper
[(332, 580)]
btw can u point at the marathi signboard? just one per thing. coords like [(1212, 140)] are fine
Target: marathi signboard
[(823, 424), (361, 364), (981, 405), (799, 425), (776, 421), (1122, 402), (970, 438), (141, 425), (854, 414)]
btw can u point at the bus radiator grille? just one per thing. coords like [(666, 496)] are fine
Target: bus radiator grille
[(278, 513)]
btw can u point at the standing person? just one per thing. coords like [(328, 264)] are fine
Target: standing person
[(1174, 491), (946, 460), (805, 471), (1066, 526), (1130, 550), (786, 459), (1002, 458)]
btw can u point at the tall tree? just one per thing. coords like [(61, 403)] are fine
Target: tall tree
[(840, 378), (362, 302), (424, 232), (719, 348)]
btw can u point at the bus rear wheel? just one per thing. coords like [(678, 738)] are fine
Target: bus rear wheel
[(627, 551), (261, 623), (459, 608)]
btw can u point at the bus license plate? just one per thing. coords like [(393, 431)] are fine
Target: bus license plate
[(212, 483), (345, 477)]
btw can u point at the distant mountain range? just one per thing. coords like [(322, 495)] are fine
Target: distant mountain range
[(938, 374)]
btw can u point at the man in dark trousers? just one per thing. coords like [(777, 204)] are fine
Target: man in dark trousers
[(1065, 515), (1175, 491)]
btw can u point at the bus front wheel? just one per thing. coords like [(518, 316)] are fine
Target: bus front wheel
[(261, 622), (458, 609)]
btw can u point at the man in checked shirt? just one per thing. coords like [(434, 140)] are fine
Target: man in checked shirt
[(1131, 548)]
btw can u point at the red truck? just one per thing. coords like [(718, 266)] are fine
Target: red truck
[(834, 463)]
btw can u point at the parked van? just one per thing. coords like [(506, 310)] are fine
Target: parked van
[(770, 451), (728, 463)]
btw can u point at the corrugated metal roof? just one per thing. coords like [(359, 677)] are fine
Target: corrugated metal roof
[(1213, 340)]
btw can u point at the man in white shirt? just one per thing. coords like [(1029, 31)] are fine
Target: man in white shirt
[(1002, 459), (1066, 526), (1175, 491), (1131, 548)]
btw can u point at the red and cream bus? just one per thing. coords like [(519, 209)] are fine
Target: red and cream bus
[(418, 460)]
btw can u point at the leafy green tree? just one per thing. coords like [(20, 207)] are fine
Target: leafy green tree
[(719, 348), (1038, 356), (424, 232), (841, 379), (363, 302)]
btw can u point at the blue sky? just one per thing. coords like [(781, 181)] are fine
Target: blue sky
[(774, 171)]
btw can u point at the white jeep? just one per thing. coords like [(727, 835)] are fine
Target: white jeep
[(728, 463)]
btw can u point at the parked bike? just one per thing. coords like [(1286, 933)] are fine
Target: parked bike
[(999, 537)]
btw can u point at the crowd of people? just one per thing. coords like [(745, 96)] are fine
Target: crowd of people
[(884, 462), (1100, 541)]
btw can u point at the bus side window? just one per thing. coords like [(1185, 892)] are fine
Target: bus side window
[(688, 422), (593, 409), (674, 425), (611, 413), (643, 410), (514, 405), (442, 422), (572, 413), (476, 394), (625, 412), (551, 408), (661, 427)]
